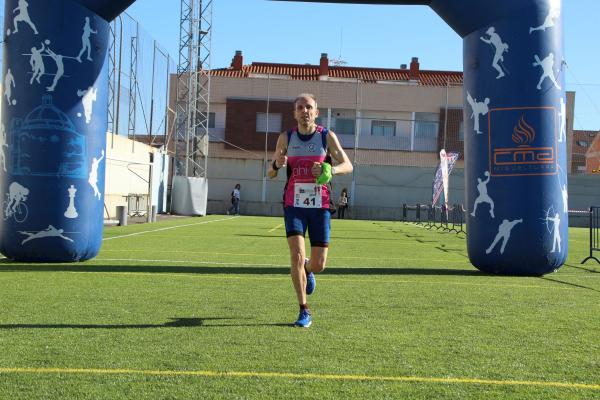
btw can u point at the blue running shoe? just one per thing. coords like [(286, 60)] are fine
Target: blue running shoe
[(311, 282), (304, 319)]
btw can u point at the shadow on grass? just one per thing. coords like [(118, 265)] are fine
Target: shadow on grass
[(349, 237), (569, 284), (7, 266), (584, 268), (174, 323)]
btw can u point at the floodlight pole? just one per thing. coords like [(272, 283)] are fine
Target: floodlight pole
[(193, 88)]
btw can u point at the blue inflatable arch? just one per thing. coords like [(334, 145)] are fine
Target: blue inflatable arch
[(54, 122)]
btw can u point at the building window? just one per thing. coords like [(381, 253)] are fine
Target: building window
[(273, 123), (383, 128), (211, 119), (426, 130), (343, 126), (582, 143)]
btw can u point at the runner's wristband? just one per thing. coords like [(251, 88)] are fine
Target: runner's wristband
[(275, 167)]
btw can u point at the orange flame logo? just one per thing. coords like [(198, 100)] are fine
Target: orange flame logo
[(523, 133)]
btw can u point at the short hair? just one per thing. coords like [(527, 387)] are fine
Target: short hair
[(306, 96)]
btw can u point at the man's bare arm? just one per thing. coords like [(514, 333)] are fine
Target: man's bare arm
[(279, 156), (344, 165)]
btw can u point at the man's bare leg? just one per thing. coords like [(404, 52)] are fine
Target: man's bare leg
[(297, 255)]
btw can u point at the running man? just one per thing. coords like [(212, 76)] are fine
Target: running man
[(303, 151), (500, 48)]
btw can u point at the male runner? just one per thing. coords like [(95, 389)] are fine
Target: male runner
[(303, 151)]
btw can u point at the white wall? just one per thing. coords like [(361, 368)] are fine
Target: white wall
[(128, 172)]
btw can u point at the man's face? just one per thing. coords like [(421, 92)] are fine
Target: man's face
[(305, 111)]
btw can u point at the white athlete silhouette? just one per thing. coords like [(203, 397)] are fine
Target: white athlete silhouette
[(93, 179), (50, 231), (3, 144), (563, 121), (556, 236), (88, 99), (499, 49), (553, 14), (547, 65), (85, 40), (478, 109), (60, 68), (37, 64), (23, 15), (9, 83), (16, 195), (565, 197), (483, 195), (503, 233)]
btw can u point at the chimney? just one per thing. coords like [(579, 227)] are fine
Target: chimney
[(413, 74), (402, 66), (238, 61), (323, 67)]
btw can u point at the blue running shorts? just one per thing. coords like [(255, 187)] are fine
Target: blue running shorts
[(316, 220)]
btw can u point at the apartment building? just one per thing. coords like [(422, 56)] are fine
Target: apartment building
[(391, 116)]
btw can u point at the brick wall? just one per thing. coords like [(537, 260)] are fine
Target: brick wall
[(453, 143), (240, 122)]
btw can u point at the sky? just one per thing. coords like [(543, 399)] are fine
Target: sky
[(381, 36)]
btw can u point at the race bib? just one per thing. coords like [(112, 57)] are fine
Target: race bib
[(307, 195)]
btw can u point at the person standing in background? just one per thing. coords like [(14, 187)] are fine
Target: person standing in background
[(235, 201), (343, 203)]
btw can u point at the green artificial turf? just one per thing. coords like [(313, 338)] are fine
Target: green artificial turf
[(201, 308)]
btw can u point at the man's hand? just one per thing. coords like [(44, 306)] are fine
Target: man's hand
[(281, 160), (325, 175)]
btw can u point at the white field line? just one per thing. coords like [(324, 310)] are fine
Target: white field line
[(279, 255), (188, 262), (167, 228)]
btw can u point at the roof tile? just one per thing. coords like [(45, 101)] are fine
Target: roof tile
[(311, 72)]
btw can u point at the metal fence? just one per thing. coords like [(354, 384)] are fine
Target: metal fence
[(443, 219), (139, 70), (594, 243)]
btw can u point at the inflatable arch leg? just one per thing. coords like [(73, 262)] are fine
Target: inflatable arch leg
[(515, 136), (53, 131)]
